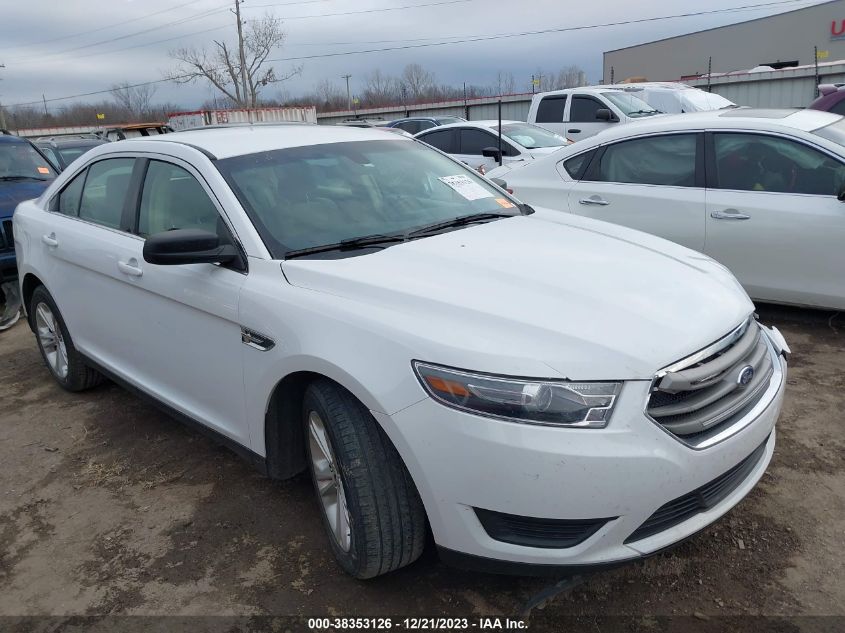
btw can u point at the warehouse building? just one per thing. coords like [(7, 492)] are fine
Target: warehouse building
[(784, 40)]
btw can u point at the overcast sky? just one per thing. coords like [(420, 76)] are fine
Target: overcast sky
[(68, 47)]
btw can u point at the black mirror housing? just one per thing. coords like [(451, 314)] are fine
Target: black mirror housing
[(491, 152), (604, 114), (187, 246)]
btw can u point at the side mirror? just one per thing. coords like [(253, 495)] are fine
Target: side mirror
[(492, 152), (187, 246), (604, 114)]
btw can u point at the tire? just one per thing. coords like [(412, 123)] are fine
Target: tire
[(68, 368), (386, 518)]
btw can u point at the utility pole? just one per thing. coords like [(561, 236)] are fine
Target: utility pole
[(241, 53), (348, 94), (44, 99)]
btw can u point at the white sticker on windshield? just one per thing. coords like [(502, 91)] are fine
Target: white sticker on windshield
[(466, 187)]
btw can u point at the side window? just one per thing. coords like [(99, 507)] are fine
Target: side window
[(755, 162), (584, 110), (474, 140), (426, 125), (105, 191), (68, 199), (442, 140), (551, 109), (658, 160), (411, 127), (838, 107), (173, 199), (576, 165)]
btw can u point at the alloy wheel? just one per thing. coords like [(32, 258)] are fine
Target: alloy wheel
[(329, 484), (51, 340)]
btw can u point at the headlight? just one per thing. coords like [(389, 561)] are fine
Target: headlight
[(546, 402)]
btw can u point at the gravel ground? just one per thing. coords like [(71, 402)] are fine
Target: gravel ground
[(110, 508)]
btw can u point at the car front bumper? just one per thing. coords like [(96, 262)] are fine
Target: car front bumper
[(623, 473)]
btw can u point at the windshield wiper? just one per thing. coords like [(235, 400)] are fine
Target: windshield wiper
[(644, 112), (16, 178), (461, 220), (351, 244)]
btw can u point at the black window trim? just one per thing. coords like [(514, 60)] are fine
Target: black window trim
[(453, 133), (507, 148), (553, 97), (701, 169), (584, 166), (710, 156)]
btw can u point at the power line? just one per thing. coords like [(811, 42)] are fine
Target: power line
[(105, 28), (444, 43), (380, 10)]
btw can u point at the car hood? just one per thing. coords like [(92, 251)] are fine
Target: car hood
[(13, 193), (539, 152), (552, 294)]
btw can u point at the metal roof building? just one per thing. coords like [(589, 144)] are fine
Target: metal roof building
[(783, 40)]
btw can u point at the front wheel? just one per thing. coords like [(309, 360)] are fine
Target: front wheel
[(370, 507), (56, 346)]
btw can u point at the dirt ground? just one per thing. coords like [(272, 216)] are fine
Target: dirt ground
[(110, 508)]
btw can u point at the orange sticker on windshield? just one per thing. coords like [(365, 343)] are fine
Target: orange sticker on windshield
[(43, 170), (504, 203)]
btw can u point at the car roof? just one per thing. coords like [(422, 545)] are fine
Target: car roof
[(484, 124), (733, 118), (237, 141), (11, 138)]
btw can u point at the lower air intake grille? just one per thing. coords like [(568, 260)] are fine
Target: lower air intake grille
[(534, 532), (699, 500)]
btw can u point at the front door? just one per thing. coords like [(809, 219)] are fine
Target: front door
[(582, 120), (773, 217), (652, 184)]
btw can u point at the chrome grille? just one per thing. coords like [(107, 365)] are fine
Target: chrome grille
[(699, 395)]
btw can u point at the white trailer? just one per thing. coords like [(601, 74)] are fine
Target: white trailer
[(198, 118)]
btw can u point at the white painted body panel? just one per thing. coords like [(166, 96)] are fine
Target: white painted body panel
[(547, 295)]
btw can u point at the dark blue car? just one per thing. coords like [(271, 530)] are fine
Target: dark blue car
[(24, 173)]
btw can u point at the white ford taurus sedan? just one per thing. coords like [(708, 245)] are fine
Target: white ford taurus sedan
[(761, 191), (540, 391)]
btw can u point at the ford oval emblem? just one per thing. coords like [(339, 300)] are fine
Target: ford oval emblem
[(745, 375)]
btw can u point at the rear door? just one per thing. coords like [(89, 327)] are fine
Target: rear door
[(550, 113), (773, 217), (653, 183), (581, 118)]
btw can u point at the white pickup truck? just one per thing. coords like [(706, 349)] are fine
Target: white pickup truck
[(577, 113)]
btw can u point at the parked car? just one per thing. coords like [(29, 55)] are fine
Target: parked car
[(415, 125), (578, 113), (63, 151), (134, 130), (542, 391), (24, 173), (670, 97), (362, 122), (831, 99), (758, 190), (476, 142)]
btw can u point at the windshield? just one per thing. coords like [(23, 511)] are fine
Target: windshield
[(22, 160), (834, 132), (700, 101), (71, 153), (532, 136), (304, 197), (632, 106), (446, 120)]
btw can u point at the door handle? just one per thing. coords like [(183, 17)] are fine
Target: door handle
[(130, 268), (729, 214), (573, 131), (595, 201), (50, 240)]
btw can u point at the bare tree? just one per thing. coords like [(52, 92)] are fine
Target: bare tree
[(418, 81), (222, 67), (380, 89), (505, 83), (137, 100), (571, 77)]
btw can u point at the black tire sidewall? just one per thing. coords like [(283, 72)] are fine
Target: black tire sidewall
[(350, 561)]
